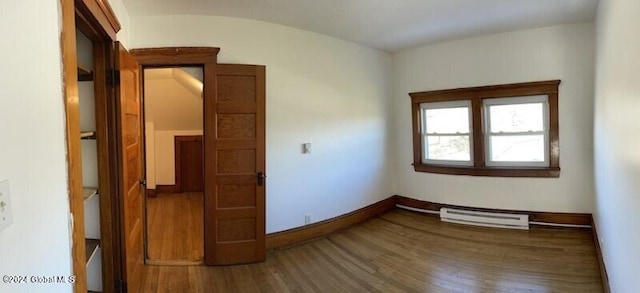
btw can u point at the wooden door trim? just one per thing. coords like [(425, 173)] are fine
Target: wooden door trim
[(83, 15), (177, 157), (74, 158), (102, 13), (175, 56), (206, 57)]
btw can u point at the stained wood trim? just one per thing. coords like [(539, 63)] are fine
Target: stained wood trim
[(175, 56), (81, 14), (74, 158), (166, 189), (326, 227), (106, 144), (477, 133), (190, 56), (549, 172), (297, 235), (490, 91), (544, 217), (417, 138), (603, 269), (476, 95), (103, 15), (151, 193)]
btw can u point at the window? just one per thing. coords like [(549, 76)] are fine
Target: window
[(517, 131), (505, 130), (446, 133)]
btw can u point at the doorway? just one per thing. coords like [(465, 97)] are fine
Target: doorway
[(173, 117), (234, 151)]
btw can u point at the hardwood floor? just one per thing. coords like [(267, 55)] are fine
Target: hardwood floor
[(403, 251), (175, 228)]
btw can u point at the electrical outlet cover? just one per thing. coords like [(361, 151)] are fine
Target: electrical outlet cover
[(6, 218)]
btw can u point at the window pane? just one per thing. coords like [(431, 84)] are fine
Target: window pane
[(517, 117), (517, 148), (448, 120), (450, 148)]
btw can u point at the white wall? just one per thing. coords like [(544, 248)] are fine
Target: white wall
[(123, 17), (165, 160), (33, 156), (331, 93), (150, 154), (617, 137), (559, 52)]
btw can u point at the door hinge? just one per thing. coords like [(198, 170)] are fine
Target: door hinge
[(113, 77)]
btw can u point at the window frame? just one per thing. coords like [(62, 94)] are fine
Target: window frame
[(424, 134), (478, 136), (537, 99)]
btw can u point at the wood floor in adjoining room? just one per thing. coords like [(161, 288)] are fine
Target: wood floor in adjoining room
[(175, 227), (403, 251)]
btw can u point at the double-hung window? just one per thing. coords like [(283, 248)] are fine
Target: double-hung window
[(504, 130), (446, 133), (517, 131)]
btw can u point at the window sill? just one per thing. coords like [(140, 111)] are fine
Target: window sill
[(536, 172)]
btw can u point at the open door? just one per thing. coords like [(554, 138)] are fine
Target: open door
[(130, 171), (235, 166)]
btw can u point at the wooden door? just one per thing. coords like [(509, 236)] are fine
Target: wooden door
[(189, 163), (131, 189), (235, 166)]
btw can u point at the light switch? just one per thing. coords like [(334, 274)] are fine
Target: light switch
[(306, 148), (5, 205)]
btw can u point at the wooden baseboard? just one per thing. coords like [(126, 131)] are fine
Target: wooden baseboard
[(603, 269), (151, 193), (166, 189), (296, 235), (326, 227), (544, 217)]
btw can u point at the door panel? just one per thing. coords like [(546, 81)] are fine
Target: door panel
[(130, 143), (189, 163), (234, 196)]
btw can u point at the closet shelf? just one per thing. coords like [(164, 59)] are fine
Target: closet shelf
[(91, 248), (89, 192), (84, 74), (88, 135)]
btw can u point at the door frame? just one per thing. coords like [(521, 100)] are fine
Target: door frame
[(96, 20), (207, 59)]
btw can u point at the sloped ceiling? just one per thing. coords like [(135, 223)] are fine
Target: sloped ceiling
[(173, 99), (389, 25)]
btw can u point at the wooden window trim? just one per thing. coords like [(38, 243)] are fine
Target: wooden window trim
[(476, 96)]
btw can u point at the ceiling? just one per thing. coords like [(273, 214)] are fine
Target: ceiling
[(388, 25)]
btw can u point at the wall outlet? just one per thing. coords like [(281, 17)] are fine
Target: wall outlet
[(307, 219), (6, 218)]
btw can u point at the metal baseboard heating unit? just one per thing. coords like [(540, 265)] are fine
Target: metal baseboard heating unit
[(495, 220)]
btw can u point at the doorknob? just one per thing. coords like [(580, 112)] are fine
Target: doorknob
[(143, 182), (261, 177)]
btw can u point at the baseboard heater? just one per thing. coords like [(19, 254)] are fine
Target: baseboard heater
[(496, 220)]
